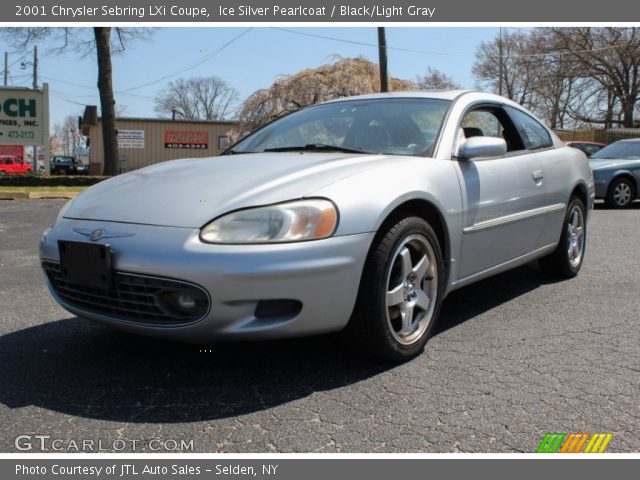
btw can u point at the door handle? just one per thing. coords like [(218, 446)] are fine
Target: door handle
[(537, 175)]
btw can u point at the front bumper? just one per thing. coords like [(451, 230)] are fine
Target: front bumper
[(601, 187), (322, 275)]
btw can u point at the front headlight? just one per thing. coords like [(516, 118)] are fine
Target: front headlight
[(285, 222)]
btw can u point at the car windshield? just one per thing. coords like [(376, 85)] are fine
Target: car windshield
[(619, 150), (393, 126)]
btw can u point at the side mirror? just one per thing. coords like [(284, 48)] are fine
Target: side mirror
[(481, 147)]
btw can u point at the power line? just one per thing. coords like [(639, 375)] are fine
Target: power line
[(183, 70), (134, 95), (365, 44), (61, 97), (67, 82), (445, 54), (19, 59), (24, 55), (187, 69), (373, 45)]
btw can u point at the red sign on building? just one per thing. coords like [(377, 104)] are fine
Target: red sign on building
[(186, 139)]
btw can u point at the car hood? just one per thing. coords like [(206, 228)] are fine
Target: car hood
[(596, 163), (189, 193)]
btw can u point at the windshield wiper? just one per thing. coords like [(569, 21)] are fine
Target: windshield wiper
[(315, 147), (235, 152)]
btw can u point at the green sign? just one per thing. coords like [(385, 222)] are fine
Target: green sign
[(24, 116)]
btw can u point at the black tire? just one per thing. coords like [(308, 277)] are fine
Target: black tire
[(562, 263), (621, 194), (380, 328)]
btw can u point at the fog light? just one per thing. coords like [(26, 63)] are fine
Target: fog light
[(180, 303), (186, 302)]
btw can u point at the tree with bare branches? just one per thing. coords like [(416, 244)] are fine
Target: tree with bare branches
[(434, 79), (200, 98), (557, 80), (104, 41), (518, 61), (611, 57)]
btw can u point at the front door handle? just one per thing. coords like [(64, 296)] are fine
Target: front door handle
[(537, 175)]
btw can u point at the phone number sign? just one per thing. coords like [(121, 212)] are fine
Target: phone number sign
[(24, 116), (190, 139)]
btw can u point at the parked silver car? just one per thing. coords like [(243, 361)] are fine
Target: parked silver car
[(362, 212), (616, 172)]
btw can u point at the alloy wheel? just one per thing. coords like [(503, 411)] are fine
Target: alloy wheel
[(575, 236), (412, 289)]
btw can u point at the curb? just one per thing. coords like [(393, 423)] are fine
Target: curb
[(4, 195)]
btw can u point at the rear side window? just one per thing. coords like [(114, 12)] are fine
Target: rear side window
[(535, 134), (591, 149)]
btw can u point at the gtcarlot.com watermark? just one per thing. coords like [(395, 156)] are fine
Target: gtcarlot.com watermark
[(47, 443)]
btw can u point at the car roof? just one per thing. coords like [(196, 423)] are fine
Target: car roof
[(437, 94), (451, 95), (630, 140), (442, 94)]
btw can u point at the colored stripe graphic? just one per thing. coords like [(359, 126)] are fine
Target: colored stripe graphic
[(550, 443), (555, 442), (598, 443), (574, 442)]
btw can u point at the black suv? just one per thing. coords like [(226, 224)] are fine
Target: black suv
[(64, 166)]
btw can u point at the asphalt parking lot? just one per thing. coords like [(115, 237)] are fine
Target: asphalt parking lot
[(514, 357)]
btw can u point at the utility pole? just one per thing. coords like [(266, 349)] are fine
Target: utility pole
[(501, 67), (6, 69), (35, 67), (35, 87), (382, 54)]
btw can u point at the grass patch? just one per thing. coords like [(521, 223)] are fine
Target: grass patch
[(40, 189)]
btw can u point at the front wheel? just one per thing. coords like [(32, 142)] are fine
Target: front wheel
[(566, 260), (400, 292)]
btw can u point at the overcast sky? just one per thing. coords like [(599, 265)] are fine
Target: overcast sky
[(250, 62)]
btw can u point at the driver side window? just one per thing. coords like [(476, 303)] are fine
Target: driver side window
[(492, 122)]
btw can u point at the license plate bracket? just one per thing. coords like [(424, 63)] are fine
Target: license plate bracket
[(84, 263)]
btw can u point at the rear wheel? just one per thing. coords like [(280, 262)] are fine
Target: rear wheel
[(622, 192), (400, 292), (566, 260)]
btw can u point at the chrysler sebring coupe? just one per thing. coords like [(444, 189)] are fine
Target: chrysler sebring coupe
[(360, 214)]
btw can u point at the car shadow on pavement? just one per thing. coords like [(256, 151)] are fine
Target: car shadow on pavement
[(600, 205), (83, 369), (471, 301)]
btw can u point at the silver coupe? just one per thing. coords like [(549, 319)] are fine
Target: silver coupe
[(364, 213)]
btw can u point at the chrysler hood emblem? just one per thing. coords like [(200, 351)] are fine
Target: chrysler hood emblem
[(99, 233)]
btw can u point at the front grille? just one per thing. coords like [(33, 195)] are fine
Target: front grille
[(132, 298)]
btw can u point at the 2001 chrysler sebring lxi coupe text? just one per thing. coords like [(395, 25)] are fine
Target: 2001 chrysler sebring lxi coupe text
[(362, 212)]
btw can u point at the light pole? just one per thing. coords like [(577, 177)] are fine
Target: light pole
[(23, 66)]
